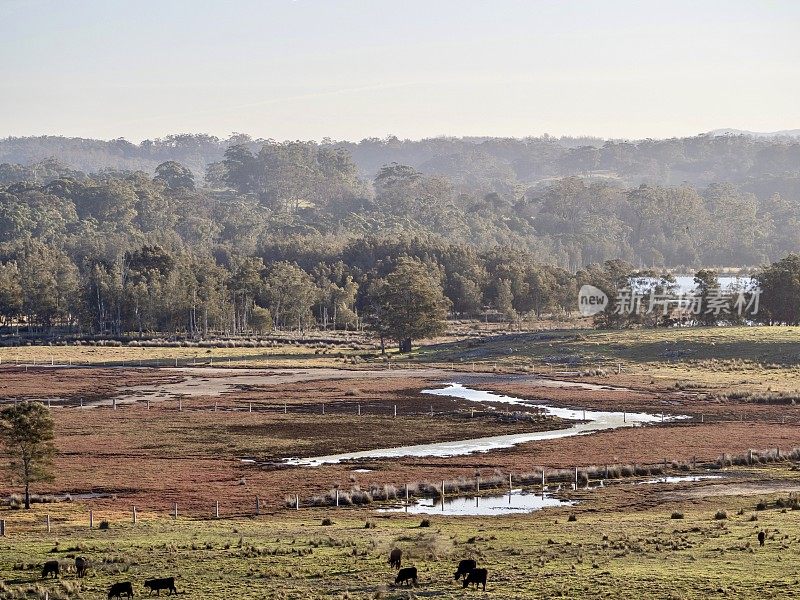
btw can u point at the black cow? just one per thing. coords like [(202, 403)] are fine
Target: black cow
[(761, 537), (117, 590), (395, 556), (165, 583), (407, 574), (464, 567), (81, 565), (476, 577), (51, 567)]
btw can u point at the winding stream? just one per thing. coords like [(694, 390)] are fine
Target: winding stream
[(586, 422)]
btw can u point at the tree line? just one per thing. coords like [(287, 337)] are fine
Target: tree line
[(290, 236)]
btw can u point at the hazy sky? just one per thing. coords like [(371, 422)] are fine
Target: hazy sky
[(348, 69)]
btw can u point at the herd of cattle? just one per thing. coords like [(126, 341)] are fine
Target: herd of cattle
[(467, 569), (117, 590)]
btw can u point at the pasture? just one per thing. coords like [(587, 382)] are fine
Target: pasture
[(607, 551), (217, 438)]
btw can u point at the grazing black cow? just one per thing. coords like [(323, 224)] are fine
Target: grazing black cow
[(117, 590), (51, 567), (395, 556), (81, 565), (464, 567), (761, 537), (165, 583), (476, 577), (408, 574)]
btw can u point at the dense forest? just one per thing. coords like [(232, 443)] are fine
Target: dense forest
[(193, 234)]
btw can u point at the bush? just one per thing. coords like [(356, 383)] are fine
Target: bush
[(572, 518), (425, 523), (762, 505), (676, 515), (720, 515), (327, 521), (104, 524)]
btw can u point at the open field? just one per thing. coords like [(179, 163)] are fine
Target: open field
[(713, 359), (607, 551), (196, 436)]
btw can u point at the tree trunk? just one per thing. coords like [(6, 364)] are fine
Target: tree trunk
[(405, 345), (27, 495)]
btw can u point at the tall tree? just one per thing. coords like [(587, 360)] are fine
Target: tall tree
[(412, 304), (26, 430)]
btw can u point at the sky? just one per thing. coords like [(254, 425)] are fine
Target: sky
[(351, 69)]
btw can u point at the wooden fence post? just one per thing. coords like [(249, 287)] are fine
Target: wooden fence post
[(251, 407), (323, 408), (114, 403), (337, 497), (297, 502), (91, 519), (258, 506), (216, 510), (359, 410), (2, 528), (48, 522), (175, 510), (576, 477), (180, 404), (134, 515), (395, 410)]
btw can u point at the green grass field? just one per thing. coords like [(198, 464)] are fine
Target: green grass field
[(757, 357), (603, 553)]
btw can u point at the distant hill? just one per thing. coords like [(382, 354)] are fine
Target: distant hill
[(758, 134), (473, 164)]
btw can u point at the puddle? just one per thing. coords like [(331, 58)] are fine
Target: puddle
[(518, 501), (588, 421), (679, 479)]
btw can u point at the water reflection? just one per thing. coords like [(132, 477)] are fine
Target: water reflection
[(518, 501)]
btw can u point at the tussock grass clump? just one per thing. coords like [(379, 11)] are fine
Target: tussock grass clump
[(676, 515), (425, 523), (327, 521), (720, 515)]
